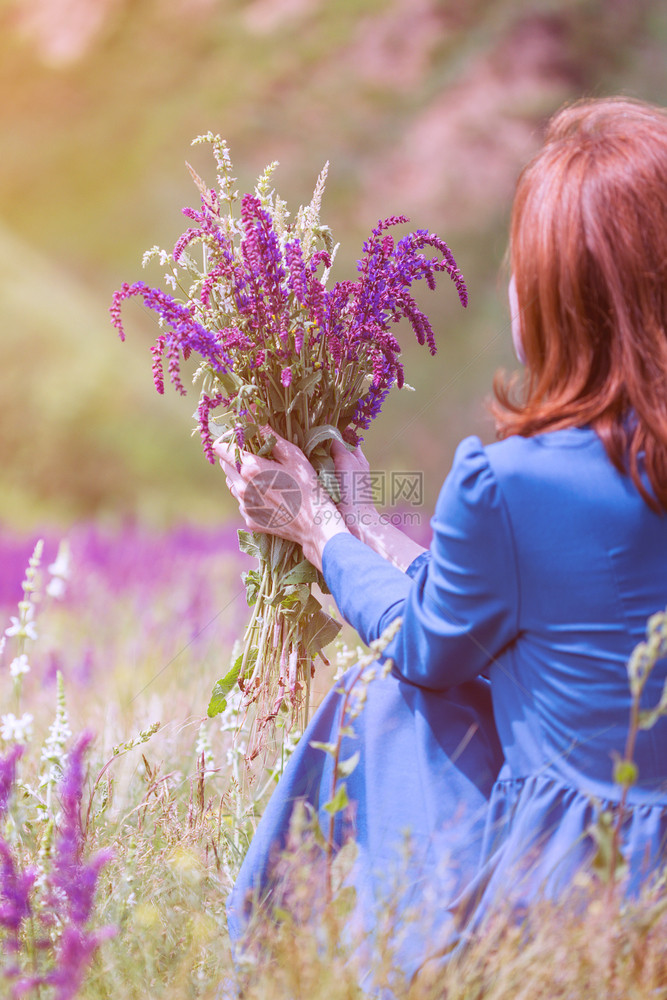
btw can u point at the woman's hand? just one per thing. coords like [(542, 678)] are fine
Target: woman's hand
[(355, 486), (282, 495), (361, 516)]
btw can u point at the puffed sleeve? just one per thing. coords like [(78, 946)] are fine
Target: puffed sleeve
[(460, 609)]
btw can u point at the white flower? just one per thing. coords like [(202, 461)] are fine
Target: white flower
[(14, 628), (56, 587), (19, 665), (12, 728), (61, 566), (3, 642), (24, 630), (203, 746), (60, 571)]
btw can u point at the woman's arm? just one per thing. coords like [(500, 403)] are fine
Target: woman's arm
[(462, 607)]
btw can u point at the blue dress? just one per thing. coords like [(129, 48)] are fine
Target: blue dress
[(487, 753)]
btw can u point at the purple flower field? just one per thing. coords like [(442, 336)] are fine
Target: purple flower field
[(108, 651), (126, 556), (179, 586)]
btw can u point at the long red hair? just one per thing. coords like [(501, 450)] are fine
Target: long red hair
[(588, 251)]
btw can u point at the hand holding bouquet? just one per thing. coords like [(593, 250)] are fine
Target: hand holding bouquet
[(276, 347)]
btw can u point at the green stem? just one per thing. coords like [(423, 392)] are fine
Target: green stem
[(247, 641), (633, 729), (334, 781)]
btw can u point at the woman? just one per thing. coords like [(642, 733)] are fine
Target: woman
[(549, 553)]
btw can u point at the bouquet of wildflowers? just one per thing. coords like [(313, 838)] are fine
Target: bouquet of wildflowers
[(276, 346)]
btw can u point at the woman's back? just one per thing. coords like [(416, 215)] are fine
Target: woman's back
[(591, 565)]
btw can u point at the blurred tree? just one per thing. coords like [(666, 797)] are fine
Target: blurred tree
[(428, 107)]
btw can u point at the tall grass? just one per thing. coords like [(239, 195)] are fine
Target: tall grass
[(144, 623)]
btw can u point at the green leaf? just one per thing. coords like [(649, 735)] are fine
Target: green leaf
[(329, 748), (248, 543), (303, 386), (277, 399), (252, 584), (319, 631), (276, 550), (256, 544), (325, 467), (303, 572), (318, 434), (347, 414), (221, 688), (267, 447), (346, 767), (264, 545), (228, 382), (312, 605), (339, 801), (297, 432), (290, 597)]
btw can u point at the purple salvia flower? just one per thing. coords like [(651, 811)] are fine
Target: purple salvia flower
[(8, 776), (297, 270), (184, 241), (298, 340), (359, 314), (185, 333), (76, 949), (261, 251), (351, 437), (419, 321), (224, 269), (70, 906), (424, 267), (234, 339), (207, 221), (392, 220), (320, 257), (76, 878), (286, 377), (157, 350), (316, 294), (15, 886), (316, 298), (206, 404), (174, 366)]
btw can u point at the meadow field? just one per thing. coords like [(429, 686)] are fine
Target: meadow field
[(128, 813)]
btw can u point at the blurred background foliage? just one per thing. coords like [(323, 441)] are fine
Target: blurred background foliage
[(422, 107)]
